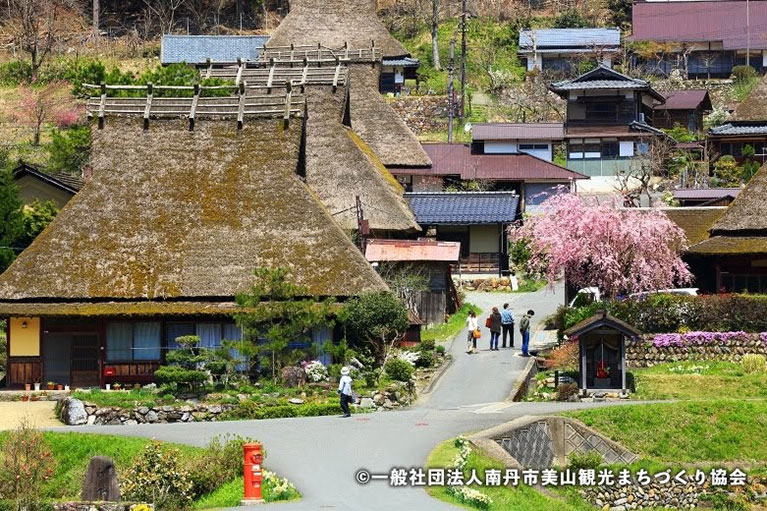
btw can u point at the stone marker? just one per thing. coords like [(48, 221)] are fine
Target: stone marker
[(101, 481), (74, 412)]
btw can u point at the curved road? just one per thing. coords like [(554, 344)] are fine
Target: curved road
[(321, 455)]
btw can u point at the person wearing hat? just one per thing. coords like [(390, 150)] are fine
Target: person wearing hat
[(345, 390), (524, 329)]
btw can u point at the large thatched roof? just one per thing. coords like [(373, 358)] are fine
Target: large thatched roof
[(171, 214), (340, 167), (754, 107), (333, 23), (378, 124)]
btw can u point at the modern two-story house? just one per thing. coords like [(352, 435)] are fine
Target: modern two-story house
[(607, 123), (562, 49)]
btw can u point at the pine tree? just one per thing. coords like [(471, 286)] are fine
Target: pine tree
[(11, 217)]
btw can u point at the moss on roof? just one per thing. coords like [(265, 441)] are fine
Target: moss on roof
[(170, 213), (747, 214), (731, 245), (754, 107), (695, 222)]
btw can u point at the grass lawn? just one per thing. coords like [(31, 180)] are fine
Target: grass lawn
[(73, 451), (454, 325), (522, 498), (698, 380), (686, 432)]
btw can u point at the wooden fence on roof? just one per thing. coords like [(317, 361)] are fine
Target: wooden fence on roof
[(239, 105), (276, 75), (320, 54)]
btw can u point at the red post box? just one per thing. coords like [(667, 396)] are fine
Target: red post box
[(252, 473)]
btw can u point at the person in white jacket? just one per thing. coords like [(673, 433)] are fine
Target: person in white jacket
[(345, 390), (471, 326)]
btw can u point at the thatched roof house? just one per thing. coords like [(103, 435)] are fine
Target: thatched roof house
[(160, 240), (734, 257), (334, 23)]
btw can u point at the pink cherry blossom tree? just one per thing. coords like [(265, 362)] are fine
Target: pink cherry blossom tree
[(51, 103), (603, 245)]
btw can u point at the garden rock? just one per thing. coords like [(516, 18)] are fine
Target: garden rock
[(73, 412), (295, 401), (151, 416), (101, 481), (293, 376), (366, 402)]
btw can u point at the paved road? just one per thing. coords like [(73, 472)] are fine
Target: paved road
[(322, 454)]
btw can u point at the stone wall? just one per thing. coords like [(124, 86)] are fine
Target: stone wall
[(643, 353), (75, 412), (673, 495), (423, 114), (101, 506)]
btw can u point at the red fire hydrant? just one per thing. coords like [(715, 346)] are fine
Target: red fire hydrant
[(252, 473)]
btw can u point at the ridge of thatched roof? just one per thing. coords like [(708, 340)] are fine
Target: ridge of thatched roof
[(754, 107), (333, 23), (173, 214), (340, 167), (378, 124), (747, 214)]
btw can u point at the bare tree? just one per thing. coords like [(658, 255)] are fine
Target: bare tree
[(32, 26), (96, 8), (165, 12), (434, 33), (637, 181)]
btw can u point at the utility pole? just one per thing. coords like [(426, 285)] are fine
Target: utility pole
[(748, 34), (451, 93), (463, 59)]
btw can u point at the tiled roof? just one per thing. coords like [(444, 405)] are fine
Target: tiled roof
[(518, 131), (705, 193), (686, 100), (603, 77), (457, 160), (579, 38), (739, 128), (197, 49), (710, 21), (66, 182), (412, 250), (463, 208), (599, 84), (404, 62)]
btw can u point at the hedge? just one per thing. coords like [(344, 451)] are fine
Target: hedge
[(673, 313)]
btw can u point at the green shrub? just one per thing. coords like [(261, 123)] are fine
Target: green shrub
[(25, 453), (427, 345), (156, 476), (440, 349), (220, 463), (15, 72), (398, 369), (753, 363), (585, 460), (319, 409), (565, 390), (743, 73), (721, 501), (426, 359), (69, 149)]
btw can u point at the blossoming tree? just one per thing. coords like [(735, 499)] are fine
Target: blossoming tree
[(603, 245)]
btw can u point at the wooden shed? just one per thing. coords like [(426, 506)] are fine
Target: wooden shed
[(602, 352)]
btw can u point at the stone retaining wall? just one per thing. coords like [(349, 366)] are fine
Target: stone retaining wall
[(101, 506), (643, 353), (75, 413), (670, 496)]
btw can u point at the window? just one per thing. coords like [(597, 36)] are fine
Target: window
[(601, 111), (610, 149), (642, 148), (128, 341), (533, 147), (175, 330)]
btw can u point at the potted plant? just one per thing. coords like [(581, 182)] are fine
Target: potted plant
[(108, 386), (27, 387), (25, 397), (51, 385), (117, 386), (37, 386), (59, 386), (66, 388)]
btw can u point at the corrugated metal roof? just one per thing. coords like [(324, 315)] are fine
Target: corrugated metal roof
[(709, 21), (518, 131), (733, 128), (686, 100), (457, 160), (197, 49), (583, 38), (412, 250), (463, 208), (705, 193)]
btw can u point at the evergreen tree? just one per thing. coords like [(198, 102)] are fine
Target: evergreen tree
[(11, 217)]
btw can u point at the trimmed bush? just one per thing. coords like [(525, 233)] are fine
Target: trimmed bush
[(440, 349), (426, 359), (743, 73), (753, 363), (398, 369), (427, 345)]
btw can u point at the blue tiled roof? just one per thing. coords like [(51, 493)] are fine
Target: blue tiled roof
[(734, 128), (404, 62), (570, 38), (463, 208), (197, 49)]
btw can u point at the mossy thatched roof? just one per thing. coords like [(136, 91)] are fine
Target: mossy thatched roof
[(333, 23), (174, 214), (695, 221), (340, 167), (378, 124), (747, 215), (754, 107)]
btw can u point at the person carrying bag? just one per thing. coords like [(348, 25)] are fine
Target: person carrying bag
[(473, 332)]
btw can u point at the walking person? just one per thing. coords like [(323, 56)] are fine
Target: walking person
[(495, 321), (345, 390), (507, 324), (524, 329), (473, 328)]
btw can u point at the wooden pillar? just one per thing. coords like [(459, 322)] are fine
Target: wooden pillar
[(582, 346), (623, 363)]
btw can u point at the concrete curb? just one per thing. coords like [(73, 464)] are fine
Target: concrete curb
[(435, 378), (522, 384)]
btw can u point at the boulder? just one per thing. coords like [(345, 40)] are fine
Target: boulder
[(293, 376), (74, 413), (366, 402), (101, 481), (295, 401), (151, 416)]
